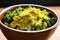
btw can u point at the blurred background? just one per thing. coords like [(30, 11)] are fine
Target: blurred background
[(5, 3)]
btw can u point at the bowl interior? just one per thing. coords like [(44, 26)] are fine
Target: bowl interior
[(42, 8)]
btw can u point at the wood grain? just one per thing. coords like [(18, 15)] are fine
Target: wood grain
[(55, 36)]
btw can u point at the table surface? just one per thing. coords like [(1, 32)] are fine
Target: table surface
[(55, 36)]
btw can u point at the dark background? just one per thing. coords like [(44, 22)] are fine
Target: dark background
[(5, 3)]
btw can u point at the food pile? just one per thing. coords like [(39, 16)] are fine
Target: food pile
[(29, 19)]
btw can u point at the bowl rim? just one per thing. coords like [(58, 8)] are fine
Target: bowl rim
[(52, 27)]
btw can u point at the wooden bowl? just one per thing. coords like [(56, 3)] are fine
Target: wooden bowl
[(13, 34)]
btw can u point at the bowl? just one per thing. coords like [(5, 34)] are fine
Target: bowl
[(13, 34)]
